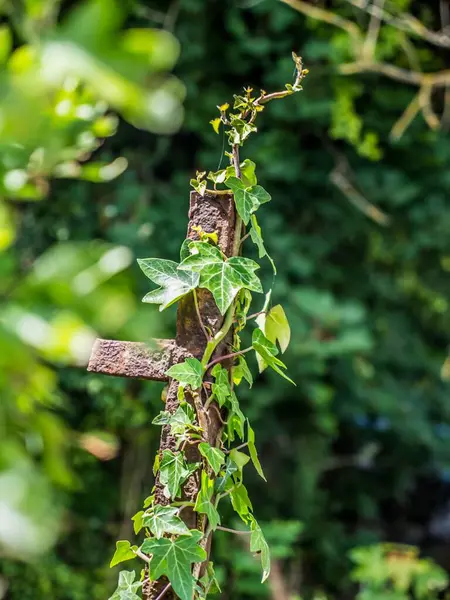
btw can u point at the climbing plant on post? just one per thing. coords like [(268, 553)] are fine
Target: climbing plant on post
[(206, 440)]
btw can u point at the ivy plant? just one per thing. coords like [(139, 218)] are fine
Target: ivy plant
[(170, 548)]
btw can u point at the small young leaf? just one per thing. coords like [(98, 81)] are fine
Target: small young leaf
[(184, 250), (225, 482), (239, 458), (174, 283), (247, 199), (241, 502), (203, 503), (248, 176), (209, 581), (137, 521), (173, 471), (174, 558), (155, 465), (241, 371), (214, 456), (162, 419), (180, 421), (240, 130), (253, 451), (221, 388), (199, 186), (189, 372), (216, 124), (124, 551), (256, 237), (268, 351), (217, 176), (165, 519), (127, 587), (258, 544)]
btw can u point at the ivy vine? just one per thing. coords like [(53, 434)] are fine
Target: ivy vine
[(170, 549)]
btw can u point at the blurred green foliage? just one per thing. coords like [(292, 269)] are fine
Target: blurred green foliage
[(359, 452)]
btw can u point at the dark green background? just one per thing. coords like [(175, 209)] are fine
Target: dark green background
[(359, 451)]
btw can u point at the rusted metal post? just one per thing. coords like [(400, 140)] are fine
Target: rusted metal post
[(213, 213)]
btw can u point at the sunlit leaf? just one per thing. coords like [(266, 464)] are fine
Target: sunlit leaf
[(223, 278), (248, 199), (174, 283), (189, 372), (214, 456), (268, 352), (204, 503), (258, 544), (174, 558), (165, 519), (124, 551), (173, 471), (253, 451)]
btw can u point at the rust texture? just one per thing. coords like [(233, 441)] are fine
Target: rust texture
[(212, 213), (135, 359)]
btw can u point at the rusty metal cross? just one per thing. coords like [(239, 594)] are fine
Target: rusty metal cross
[(213, 213)]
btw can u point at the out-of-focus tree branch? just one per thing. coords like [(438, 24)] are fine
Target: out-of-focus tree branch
[(364, 45), (405, 22)]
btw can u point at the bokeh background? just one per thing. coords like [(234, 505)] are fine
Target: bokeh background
[(356, 455)]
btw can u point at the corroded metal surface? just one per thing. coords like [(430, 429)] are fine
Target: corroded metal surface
[(135, 359)]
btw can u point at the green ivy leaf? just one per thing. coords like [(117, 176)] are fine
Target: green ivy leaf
[(174, 284), (258, 544), (217, 176), (241, 371), (203, 504), (241, 502), (275, 326), (180, 421), (127, 587), (248, 176), (189, 372), (239, 458), (247, 173), (216, 124), (240, 130), (253, 451), (268, 351), (221, 389), (256, 237), (137, 521), (124, 551), (209, 581), (236, 418), (199, 186), (223, 278), (214, 456), (184, 250), (247, 199), (225, 482), (173, 471), (174, 558), (165, 519)]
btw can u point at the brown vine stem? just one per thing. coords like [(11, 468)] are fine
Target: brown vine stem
[(235, 531), (237, 448), (244, 238), (142, 556), (219, 416), (199, 316), (226, 356), (163, 593)]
